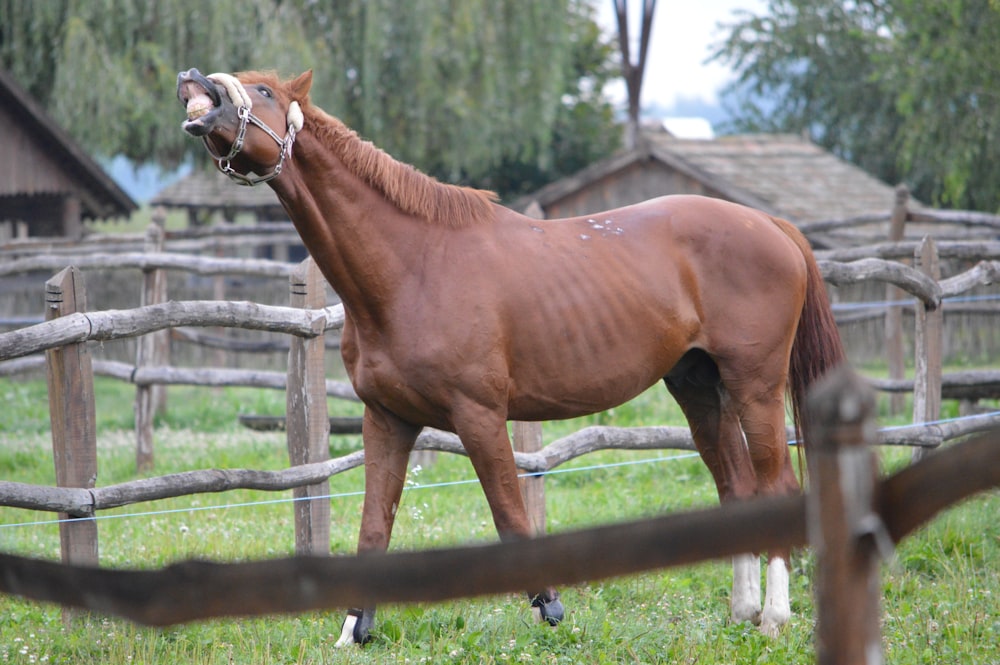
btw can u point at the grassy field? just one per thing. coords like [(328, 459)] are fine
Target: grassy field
[(940, 594)]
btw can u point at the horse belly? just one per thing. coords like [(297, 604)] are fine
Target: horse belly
[(592, 371), (594, 331)]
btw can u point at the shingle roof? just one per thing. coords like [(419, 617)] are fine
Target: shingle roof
[(783, 174), (211, 190), (794, 176)]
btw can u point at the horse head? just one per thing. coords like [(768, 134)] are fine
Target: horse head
[(248, 122)]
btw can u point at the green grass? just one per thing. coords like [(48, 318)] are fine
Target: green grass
[(940, 593)]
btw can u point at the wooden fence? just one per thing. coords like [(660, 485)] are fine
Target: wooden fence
[(63, 337), (849, 516), (69, 327)]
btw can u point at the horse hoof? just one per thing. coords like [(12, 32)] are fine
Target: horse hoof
[(748, 613), (770, 629), (551, 610)]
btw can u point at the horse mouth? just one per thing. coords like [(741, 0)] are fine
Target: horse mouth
[(201, 99)]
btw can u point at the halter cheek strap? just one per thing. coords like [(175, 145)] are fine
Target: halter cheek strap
[(238, 94)]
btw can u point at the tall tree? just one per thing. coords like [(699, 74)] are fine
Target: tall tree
[(901, 87), (633, 69), (458, 88)]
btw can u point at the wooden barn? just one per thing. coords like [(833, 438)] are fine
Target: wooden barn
[(209, 198), (48, 184), (207, 194), (782, 174)]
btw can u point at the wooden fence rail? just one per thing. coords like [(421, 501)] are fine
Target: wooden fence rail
[(970, 385), (198, 265), (80, 502), (121, 324), (190, 240), (905, 277), (205, 377), (965, 218), (948, 249)]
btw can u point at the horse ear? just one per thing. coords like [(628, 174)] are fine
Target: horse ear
[(299, 86)]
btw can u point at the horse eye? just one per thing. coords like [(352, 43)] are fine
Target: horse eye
[(265, 91)]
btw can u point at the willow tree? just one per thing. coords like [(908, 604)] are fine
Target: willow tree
[(458, 88)]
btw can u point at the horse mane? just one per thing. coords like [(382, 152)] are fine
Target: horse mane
[(406, 187), (410, 190)]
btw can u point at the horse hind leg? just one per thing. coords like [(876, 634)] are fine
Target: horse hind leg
[(762, 418), (484, 435), (696, 385)]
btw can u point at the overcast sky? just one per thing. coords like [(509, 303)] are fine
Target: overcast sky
[(681, 40)]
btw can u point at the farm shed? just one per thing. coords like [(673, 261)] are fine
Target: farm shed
[(206, 193), (208, 196), (48, 184), (783, 174)]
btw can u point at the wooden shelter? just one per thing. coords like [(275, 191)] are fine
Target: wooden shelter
[(782, 174), (207, 194), (48, 184)]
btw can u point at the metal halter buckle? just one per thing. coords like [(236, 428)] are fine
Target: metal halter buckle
[(246, 117)]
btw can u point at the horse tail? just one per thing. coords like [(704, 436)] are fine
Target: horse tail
[(817, 347)]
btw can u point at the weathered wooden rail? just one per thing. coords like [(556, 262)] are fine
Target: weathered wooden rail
[(86, 502), (78, 327)]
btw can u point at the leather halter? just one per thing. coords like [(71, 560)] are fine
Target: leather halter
[(246, 117)]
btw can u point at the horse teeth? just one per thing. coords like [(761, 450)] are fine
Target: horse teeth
[(198, 106)]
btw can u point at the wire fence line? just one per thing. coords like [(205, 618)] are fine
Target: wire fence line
[(980, 423), (344, 495)]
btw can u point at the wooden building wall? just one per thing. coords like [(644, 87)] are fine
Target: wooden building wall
[(26, 167), (637, 182)]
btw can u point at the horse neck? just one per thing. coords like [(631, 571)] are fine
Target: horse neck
[(358, 239)]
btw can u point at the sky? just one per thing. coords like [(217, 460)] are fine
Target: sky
[(681, 40)]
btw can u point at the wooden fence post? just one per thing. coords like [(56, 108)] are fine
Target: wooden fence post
[(307, 420), (219, 356), (151, 350), (894, 312), (70, 379), (927, 348), (528, 439), (844, 528)]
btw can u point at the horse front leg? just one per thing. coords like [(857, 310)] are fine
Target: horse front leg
[(484, 434), (388, 442)]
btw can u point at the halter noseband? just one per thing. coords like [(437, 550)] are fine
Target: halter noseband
[(242, 100)]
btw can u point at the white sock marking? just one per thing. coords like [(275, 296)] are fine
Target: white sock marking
[(347, 633), (745, 601), (777, 608)]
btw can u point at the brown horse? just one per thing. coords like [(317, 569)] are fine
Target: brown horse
[(462, 314)]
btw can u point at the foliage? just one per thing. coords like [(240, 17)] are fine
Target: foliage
[(939, 593), (459, 89), (900, 87)]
